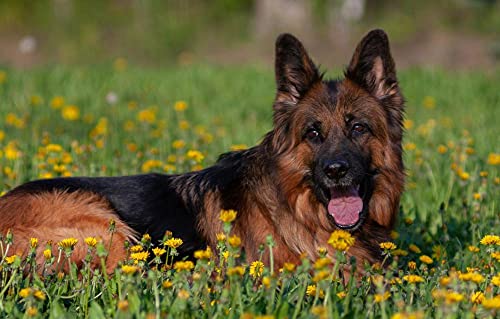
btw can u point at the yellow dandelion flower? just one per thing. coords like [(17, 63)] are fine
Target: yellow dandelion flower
[(451, 297), (129, 270), (180, 106), (495, 280), (157, 251), (173, 242), (341, 240), (203, 254), (483, 173), (490, 240), (70, 113), (11, 152), (477, 196), (57, 102), (477, 297), (473, 249), (234, 241), (195, 155), (220, 237), (408, 315), (53, 148), (470, 151), (321, 263), (464, 176), (256, 268), (238, 147), (412, 265), (120, 64), (150, 165), (426, 259), (183, 265), (388, 245), (129, 126), (122, 305), (319, 311), (238, 271), (494, 159), (322, 250), (341, 294), (147, 116), (266, 281), (91, 241), (36, 100), (183, 294), (471, 276), (311, 291), (321, 275), (38, 294), (167, 284), (429, 102), (31, 311), (408, 124), (412, 279), (496, 255), (47, 253), (445, 281), (178, 144), (394, 235), (382, 297), (67, 243), (136, 248), (11, 259), (25, 292), (3, 76), (140, 256), (228, 216), (290, 267), (414, 248), (184, 125), (442, 149), (492, 303), (399, 252), (409, 146), (33, 242)]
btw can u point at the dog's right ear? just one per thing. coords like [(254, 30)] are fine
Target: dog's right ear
[(295, 71)]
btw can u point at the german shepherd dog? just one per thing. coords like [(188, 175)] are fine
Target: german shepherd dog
[(333, 160)]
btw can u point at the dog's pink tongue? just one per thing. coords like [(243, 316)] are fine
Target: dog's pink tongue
[(345, 206)]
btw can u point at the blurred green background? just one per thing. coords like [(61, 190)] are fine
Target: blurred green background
[(463, 34)]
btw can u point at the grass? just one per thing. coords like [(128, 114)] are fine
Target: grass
[(63, 122)]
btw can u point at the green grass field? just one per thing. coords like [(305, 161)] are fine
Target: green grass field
[(116, 120)]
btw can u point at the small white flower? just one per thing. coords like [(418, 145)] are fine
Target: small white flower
[(111, 98)]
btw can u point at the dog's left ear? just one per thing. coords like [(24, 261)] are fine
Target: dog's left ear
[(295, 71), (372, 67)]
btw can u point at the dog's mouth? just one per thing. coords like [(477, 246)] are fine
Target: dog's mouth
[(345, 206)]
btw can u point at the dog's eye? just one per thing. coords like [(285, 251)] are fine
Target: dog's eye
[(312, 134), (358, 129)]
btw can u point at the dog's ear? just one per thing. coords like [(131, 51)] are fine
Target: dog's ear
[(372, 67), (295, 71)]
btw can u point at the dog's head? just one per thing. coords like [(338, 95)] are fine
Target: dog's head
[(341, 140)]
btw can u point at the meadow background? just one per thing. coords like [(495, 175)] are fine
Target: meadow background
[(102, 88)]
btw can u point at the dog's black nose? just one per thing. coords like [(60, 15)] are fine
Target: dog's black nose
[(336, 169)]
